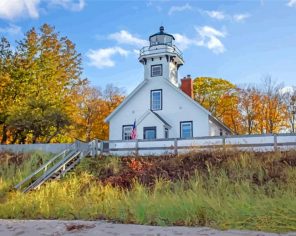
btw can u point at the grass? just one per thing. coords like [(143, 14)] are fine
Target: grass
[(237, 190)]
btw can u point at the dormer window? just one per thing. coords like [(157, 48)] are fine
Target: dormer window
[(156, 70)]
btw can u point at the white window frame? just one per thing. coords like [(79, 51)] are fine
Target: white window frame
[(156, 105), (125, 135), (153, 72)]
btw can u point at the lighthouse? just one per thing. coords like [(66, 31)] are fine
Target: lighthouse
[(158, 108), (161, 58)]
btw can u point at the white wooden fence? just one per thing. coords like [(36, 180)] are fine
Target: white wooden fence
[(172, 146), (45, 147)]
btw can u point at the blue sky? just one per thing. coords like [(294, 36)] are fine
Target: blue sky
[(241, 41)]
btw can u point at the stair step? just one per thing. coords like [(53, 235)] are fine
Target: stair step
[(70, 158)]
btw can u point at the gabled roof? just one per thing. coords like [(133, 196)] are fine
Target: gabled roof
[(161, 119), (144, 82), (148, 112), (216, 120), (107, 119), (138, 88)]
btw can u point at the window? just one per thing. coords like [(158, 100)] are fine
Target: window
[(126, 132), (166, 133), (221, 132), (150, 132), (186, 129), (156, 70), (156, 100)]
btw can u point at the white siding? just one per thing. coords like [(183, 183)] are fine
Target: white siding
[(175, 108), (169, 70)]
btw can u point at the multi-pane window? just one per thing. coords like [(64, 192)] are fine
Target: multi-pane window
[(156, 70), (221, 132), (150, 132), (186, 129), (126, 132), (156, 100)]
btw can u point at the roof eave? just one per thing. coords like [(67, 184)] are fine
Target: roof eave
[(215, 119), (108, 118)]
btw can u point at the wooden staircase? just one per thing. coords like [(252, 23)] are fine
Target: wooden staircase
[(57, 166)]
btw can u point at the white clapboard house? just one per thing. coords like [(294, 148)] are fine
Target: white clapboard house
[(159, 107)]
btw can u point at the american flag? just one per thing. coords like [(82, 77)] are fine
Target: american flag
[(134, 131)]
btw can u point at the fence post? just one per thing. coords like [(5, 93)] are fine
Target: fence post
[(101, 147), (95, 148), (137, 147), (223, 141), (275, 142), (176, 146)]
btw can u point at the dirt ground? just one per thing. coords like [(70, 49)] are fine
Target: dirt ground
[(102, 228)]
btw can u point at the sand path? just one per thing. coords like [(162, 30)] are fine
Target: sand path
[(101, 228)]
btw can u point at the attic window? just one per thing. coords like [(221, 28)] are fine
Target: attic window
[(156, 100), (156, 70)]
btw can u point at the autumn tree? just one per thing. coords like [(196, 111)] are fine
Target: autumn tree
[(6, 99), (250, 99), (274, 109), (46, 67), (289, 97), (93, 105), (219, 96)]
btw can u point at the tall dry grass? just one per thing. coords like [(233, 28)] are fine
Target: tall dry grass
[(232, 190)]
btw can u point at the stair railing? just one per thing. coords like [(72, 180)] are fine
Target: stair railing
[(59, 163), (44, 167)]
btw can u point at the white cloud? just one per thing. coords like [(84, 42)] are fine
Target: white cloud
[(174, 9), (72, 5), (11, 29), (210, 38), (183, 42), (124, 37), (136, 52), (206, 37), (219, 15), (11, 9), (241, 17), (287, 90), (103, 57), (291, 3)]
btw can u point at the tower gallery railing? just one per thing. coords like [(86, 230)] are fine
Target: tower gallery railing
[(160, 48)]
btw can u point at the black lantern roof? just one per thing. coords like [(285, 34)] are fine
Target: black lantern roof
[(161, 38)]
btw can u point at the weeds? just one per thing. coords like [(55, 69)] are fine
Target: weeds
[(242, 190)]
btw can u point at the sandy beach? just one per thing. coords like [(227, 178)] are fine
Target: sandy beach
[(102, 228)]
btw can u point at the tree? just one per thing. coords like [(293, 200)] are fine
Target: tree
[(289, 97), (6, 62), (274, 109), (38, 121), (92, 106), (219, 96), (46, 68), (250, 109)]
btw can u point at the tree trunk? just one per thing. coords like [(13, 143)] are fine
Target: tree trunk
[(4, 134), (52, 136)]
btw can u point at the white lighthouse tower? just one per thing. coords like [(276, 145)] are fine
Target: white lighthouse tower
[(162, 58)]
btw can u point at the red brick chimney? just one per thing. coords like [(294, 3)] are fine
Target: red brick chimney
[(187, 86)]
